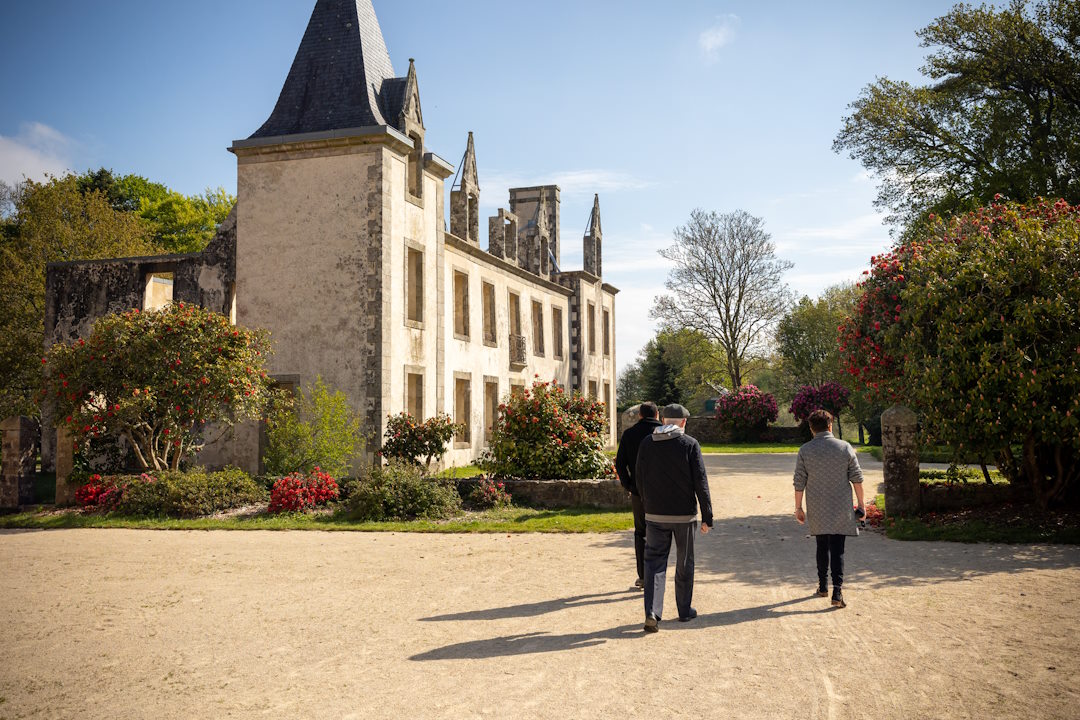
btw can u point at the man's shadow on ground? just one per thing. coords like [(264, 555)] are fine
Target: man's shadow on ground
[(538, 608), (543, 642)]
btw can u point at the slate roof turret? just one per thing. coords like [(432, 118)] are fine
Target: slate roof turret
[(341, 76)]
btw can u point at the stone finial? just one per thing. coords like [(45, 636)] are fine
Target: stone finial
[(899, 444), (465, 199), (592, 241)]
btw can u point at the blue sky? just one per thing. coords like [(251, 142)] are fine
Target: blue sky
[(660, 107)]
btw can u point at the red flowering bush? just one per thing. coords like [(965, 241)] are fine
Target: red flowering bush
[(488, 493), (298, 493), (547, 433), (99, 494), (746, 412), (156, 378), (419, 443), (976, 325), (831, 397)]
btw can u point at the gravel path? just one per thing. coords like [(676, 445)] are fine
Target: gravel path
[(140, 624)]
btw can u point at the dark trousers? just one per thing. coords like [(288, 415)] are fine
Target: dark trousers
[(639, 533), (830, 551), (657, 549)]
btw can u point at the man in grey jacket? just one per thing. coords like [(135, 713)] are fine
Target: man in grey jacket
[(671, 479), (826, 471)]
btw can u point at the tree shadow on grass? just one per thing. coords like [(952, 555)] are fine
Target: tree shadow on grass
[(544, 642), (539, 608)]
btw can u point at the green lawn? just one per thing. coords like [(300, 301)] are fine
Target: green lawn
[(508, 520), (460, 473), (958, 527)]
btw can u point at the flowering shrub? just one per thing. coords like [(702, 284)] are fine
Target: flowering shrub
[(747, 412), (156, 378), (99, 494), (874, 516), (974, 324), (830, 396), (418, 443), (488, 493), (402, 491), (547, 433), (170, 493), (298, 493)]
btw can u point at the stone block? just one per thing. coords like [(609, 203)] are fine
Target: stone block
[(20, 444), (65, 463), (900, 447)]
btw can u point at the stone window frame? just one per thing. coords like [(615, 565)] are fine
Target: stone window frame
[(466, 442), (412, 246), (493, 340), (539, 347), (593, 387), (456, 271), (414, 171), (590, 331), (149, 273), (558, 347), (422, 372), (606, 315), (511, 316), (517, 384), (490, 380)]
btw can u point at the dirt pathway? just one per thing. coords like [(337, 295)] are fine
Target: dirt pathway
[(138, 624)]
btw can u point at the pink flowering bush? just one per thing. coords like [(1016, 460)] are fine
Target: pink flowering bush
[(488, 493), (831, 397), (419, 443), (746, 412), (170, 493)]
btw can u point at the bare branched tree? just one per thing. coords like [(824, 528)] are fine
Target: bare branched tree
[(727, 283)]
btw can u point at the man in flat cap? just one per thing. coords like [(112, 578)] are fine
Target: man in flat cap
[(671, 480)]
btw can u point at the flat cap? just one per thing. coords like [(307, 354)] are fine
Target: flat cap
[(675, 410)]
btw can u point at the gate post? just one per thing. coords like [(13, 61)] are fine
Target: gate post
[(19, 458), (65, 463), (899, 444)]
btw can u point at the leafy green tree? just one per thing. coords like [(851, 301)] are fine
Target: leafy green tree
[(680, 366), (45, 222), (314, 428), (1000, 113), (179, 223), (977, 326), (806, 339), (156, 379)]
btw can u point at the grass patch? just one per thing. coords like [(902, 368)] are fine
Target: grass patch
[(460, 473), (501, 520), (1007, 523), (746, 448)]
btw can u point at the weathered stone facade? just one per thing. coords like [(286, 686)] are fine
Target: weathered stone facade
[(19, 453), (338, 246)]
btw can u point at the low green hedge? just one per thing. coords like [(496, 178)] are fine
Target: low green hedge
[(186, 494), (402, 491)]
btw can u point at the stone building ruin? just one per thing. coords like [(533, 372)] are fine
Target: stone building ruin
[(339, 246)]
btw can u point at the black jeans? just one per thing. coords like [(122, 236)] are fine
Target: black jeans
[(657, 549), (639, 533), (830, 551)]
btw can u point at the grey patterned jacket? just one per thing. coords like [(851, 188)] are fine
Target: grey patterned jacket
[(825, 470)]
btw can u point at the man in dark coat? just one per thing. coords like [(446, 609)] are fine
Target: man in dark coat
[(625, 460), (671, 479)]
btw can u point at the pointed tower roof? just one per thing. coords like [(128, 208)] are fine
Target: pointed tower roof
[(594, 219), (468, 166), (337, 76)]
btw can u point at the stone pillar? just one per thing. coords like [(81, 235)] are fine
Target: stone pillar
[(20, 442), (899, 443), (65, 462)]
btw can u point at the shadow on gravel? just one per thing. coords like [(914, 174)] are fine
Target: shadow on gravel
[(542, 642), (770, 549), (540, 608)]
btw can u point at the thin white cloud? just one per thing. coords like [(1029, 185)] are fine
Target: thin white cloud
[(35, 151), (495, 186), (714, 38), (859, 236)]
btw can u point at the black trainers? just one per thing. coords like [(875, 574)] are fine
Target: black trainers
[(689, 616), (652, 624), (838, 598)]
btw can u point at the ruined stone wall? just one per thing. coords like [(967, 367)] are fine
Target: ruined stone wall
[(78, 293)]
